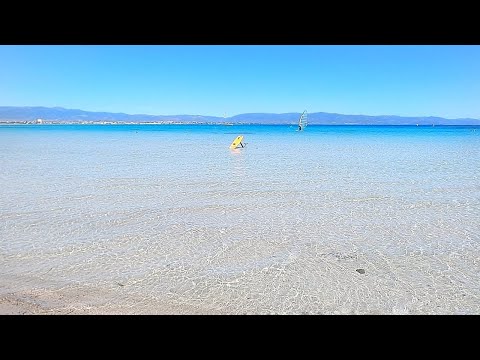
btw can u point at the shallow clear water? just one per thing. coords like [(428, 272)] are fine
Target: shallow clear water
[(280, 226)]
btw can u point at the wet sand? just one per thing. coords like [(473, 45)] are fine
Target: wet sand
[(83, 300)]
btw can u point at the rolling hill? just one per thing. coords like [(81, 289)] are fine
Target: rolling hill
[(26, 114)]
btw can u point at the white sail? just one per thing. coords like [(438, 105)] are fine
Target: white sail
[(302, 121)]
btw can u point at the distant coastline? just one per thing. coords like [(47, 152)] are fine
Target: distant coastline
[(44, 115), (64, 123)]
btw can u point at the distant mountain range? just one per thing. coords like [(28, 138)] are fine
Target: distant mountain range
[(26, 114)]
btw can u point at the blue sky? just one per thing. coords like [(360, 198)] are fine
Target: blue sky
[(415, 80)]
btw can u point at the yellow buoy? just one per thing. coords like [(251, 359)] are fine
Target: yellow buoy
[(236, 142)]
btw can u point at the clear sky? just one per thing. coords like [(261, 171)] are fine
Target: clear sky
[(413, 80)]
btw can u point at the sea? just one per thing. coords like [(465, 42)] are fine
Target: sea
[(166, 218)]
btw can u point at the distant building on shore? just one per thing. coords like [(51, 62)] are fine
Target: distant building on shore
[(39, 121)]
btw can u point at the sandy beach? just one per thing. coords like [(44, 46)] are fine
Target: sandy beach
[(240, 180), (81, 300)]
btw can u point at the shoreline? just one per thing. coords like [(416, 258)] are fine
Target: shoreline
[(45, 299), (16, 304)]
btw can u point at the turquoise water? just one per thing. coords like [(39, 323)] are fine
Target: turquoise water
[(280, 226)]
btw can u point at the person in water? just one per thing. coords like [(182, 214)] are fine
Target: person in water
[(299, 127)]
